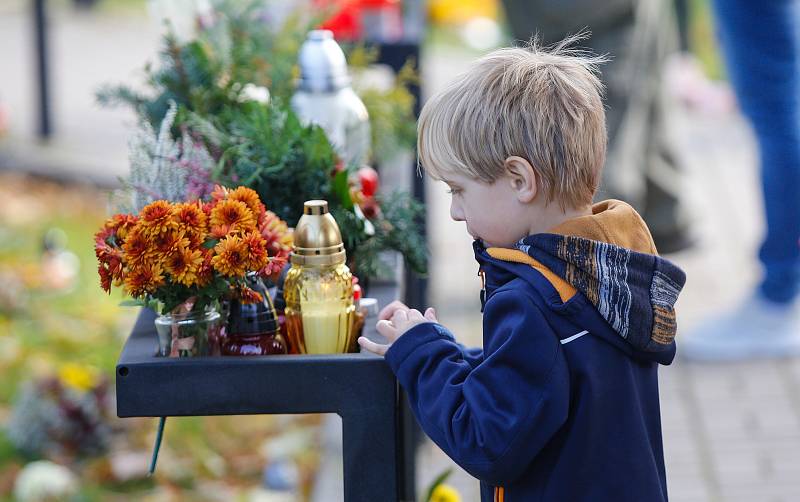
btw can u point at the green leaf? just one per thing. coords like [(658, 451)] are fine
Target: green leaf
[(153, 305), (341, 188), (210, 243)]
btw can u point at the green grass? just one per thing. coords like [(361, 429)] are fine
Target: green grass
[(7, 450)]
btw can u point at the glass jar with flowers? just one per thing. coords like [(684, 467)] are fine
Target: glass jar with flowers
[(183, 258)]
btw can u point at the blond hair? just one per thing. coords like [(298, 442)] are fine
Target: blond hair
[(543, 105)]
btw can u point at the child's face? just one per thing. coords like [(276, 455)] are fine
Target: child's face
[(491, 211)]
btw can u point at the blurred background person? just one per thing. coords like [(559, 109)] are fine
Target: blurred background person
[(760, 45), (638, 36)]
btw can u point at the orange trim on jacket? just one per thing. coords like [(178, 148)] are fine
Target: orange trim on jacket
[(565, 289), (499, 494)]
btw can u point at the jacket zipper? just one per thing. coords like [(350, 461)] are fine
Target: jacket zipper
[(499, 494), (482, 275)]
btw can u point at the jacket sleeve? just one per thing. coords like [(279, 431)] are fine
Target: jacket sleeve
[(494, 418), (472, 355)]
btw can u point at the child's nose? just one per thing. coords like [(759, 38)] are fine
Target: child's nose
[(456, 212)]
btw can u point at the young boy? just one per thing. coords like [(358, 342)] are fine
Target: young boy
[(562, 402)]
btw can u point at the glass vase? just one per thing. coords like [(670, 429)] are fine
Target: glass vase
[(187, 335)]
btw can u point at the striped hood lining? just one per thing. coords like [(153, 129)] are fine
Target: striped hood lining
[(610, 257)]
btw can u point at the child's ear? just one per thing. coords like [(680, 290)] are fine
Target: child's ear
[(522, 177)]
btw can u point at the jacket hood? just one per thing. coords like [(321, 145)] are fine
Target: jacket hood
[(609, 256)]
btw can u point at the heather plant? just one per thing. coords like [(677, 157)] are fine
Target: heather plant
[(164, 169)]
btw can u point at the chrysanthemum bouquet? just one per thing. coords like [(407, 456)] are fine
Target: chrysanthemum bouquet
[(179, 255)]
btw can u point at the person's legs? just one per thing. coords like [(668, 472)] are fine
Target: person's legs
[(760, 43), (637, 35)]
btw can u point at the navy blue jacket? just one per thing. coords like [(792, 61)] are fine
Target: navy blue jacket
[(557, 406)]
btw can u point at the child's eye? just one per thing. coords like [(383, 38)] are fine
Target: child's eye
[(453, 191)]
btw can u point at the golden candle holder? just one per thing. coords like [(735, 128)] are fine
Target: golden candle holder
[(319, 286)]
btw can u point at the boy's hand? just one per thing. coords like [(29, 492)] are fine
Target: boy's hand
[(401, 320), (388, 311)]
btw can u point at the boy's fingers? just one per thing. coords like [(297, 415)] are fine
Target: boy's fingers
[(430, 314), (414, 314), (372, 346), (400, 315), (388, 311), (386, 329)]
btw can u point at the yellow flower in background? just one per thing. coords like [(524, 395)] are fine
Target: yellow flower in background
[(460, 11), (445, 493), (79, 377)]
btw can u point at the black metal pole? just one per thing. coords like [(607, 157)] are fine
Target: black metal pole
[(409, 433), (40, 29), (417, 285), (416, 296)]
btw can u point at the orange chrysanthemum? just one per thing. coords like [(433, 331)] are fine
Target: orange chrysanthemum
[(169, 242), (219, 232), (256, 251), (233, 214), (156, 218), (122, 224), (205, 271), (104, 245), (105, 235), (108, 252), (277, 235), (192, 220), (105, 278), (111, 270), (137, 247), (144, 279), (113, 263), (183, 265), (231, 256), (249, 197)]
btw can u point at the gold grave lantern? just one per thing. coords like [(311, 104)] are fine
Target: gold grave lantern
[(319, 286)]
